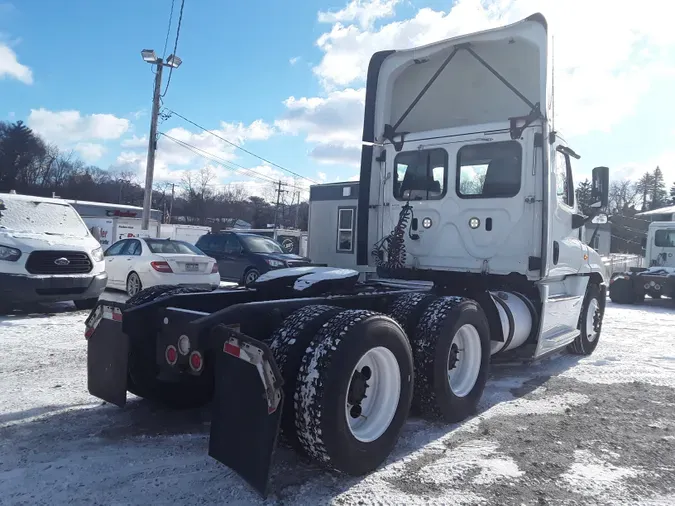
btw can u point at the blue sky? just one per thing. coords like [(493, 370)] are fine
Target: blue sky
[(62, 62)]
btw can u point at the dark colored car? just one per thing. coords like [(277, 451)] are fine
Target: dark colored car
[(242, 257)]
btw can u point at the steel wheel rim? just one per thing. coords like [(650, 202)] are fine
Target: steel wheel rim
[(592, 312), (251, 276), (133, 285), (464, 360), (379, 406)]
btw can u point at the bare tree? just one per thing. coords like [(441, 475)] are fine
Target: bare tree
[(623, 195)]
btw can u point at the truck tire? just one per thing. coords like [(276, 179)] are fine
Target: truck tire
[(407, 310), (452, 358), (590, 323), (288, 345), (621, 291), (142, 380), (354, 390)]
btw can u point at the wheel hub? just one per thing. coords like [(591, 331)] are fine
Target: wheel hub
[(453, 357), (357, 390)]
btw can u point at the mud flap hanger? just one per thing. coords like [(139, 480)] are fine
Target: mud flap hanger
[(390, 132)]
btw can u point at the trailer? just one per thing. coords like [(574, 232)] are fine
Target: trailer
[(108, 231), (179, 232), (657, 280), (466, 211)]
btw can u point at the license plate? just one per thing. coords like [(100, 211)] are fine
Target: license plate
[(192, 267)]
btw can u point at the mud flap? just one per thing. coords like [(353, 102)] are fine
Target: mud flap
[(107, 358), (247, 405)]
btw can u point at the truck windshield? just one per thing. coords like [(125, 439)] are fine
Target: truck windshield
[(163, 246), (665, 238), (34, 217), (260, 244)]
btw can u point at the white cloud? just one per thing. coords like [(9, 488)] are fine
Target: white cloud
[(135, 142), (66, 127), (332, 122), (90, 151), (600, 75), (365, 12), (294, 60), (10, 66)]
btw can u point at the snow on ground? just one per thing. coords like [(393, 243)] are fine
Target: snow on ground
[(596, 430)]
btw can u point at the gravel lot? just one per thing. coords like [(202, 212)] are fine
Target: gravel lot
[(599, 430)]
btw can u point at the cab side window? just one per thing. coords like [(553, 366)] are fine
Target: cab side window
[(563, 173)]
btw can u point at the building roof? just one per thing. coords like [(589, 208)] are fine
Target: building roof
[(662, 210), (106, 204)]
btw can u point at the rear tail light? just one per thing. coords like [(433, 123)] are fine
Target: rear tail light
[(214, 269), (171, 355), (196, 361), (161, 266)]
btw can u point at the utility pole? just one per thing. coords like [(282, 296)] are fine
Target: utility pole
[(173, 192), (152, 146), (174, 62), (297, 211), (276, 209)]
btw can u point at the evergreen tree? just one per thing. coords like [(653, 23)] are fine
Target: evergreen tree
[(644, 189), (584, 196), (658, 194), (672, 194)]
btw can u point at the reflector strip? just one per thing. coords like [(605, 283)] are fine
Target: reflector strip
[(231, 349)]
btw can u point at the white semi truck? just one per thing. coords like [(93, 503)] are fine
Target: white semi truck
[(658, 278), (464, 184)]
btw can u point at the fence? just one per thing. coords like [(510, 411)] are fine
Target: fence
[(621, 262)]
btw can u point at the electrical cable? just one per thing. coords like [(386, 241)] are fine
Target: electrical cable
[(241, 148), (175, 46), (227, 164), (168, 30)]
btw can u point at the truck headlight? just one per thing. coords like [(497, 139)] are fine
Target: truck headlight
[(97, 254), (9, 254), (275, 263)]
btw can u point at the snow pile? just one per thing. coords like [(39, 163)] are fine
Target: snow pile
[(592, 476), (457, 465)]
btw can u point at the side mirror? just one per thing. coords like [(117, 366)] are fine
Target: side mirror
[(600, 219), (600, 188), (643, 242), (96, 232)]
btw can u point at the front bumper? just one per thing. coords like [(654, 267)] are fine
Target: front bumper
[(23, 289)]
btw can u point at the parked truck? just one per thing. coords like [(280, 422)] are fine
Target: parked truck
[(658, 279), (466, 212)]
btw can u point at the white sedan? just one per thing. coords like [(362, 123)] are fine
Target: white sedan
[(137, 263)]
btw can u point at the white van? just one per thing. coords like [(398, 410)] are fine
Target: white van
[(47, 254)]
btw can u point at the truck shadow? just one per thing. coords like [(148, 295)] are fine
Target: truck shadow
[(104, 429)]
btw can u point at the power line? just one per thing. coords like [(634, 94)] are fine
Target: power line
[(168, 30), (175, 44), (220, 161), (243, 149), (228, 164)]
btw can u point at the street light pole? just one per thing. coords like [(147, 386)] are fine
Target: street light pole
[(174, 62), (152, 147)]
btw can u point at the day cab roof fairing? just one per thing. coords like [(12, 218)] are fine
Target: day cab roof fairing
[(475, 79)]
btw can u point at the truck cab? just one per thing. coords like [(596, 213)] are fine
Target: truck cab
[(464, 180)]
